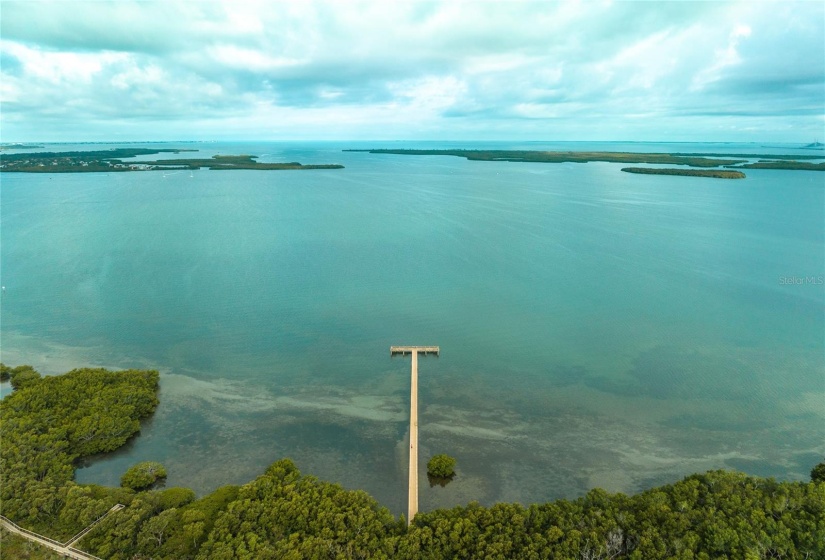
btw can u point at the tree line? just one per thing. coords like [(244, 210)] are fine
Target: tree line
[(49, 423)]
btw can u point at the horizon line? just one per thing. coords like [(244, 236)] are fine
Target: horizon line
[(191, 141)]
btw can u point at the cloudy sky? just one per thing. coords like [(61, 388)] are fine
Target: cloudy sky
[(510, 70)]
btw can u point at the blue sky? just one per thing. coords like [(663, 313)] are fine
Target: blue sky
[(387, 70)]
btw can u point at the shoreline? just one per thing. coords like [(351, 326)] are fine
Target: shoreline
[(106, 161), (712, 173), (702, 160)]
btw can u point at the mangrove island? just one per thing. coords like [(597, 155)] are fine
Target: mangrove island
[(97, 161), (701, 160), (715, 173)]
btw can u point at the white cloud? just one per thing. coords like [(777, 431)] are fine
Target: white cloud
[(430, 93), (723, 58), (133, 76), (59, 67), (454, 66), (254, 60)]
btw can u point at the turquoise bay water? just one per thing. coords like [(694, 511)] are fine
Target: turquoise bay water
[(597, 328)]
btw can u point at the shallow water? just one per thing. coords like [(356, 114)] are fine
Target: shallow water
[(597, 328)]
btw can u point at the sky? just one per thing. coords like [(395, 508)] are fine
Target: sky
[(412, 70)]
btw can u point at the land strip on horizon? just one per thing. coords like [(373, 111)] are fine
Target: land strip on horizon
[(703, 160), (97, 161)]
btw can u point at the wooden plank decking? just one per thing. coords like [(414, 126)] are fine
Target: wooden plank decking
[(412, 494), (65, 549)]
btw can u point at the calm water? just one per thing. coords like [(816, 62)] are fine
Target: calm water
[(597, 328)]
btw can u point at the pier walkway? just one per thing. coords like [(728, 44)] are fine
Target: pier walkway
[(412, 496), (66, 549)]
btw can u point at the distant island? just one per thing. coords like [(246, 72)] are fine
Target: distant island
[(715, 173), (703, 160), (788, 165), (19, 146), (97, 161)]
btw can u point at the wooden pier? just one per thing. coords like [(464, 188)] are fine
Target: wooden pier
[(412, 496), (67, 549)]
